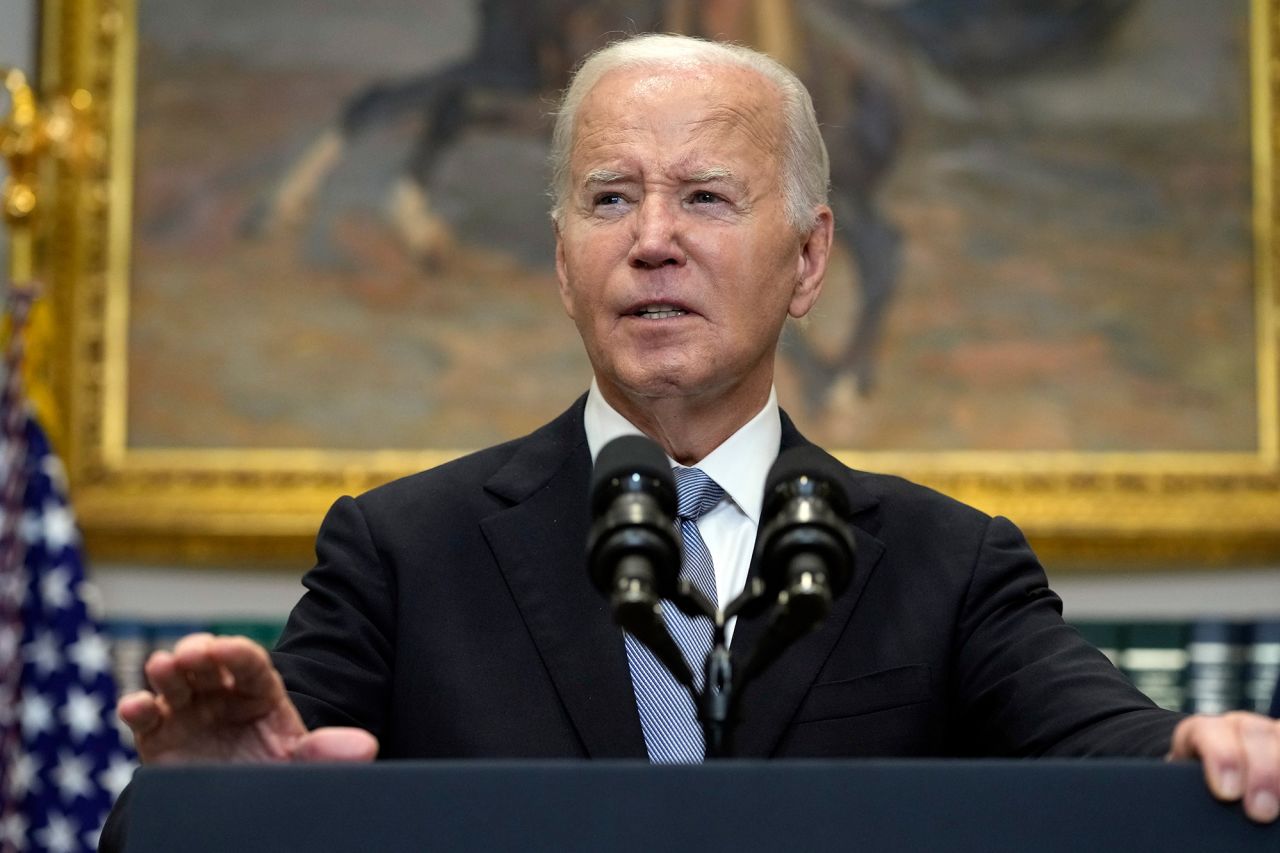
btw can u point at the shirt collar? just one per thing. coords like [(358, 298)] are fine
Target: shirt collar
[(740, 464)]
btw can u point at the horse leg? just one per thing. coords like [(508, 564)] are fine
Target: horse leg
[(426, 235), (877, 251), (291, 197), (867, 151)]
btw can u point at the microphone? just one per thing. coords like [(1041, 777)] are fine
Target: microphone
[(805, 549), (633, 552)]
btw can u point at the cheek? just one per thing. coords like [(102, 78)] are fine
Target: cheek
[(573, 267)]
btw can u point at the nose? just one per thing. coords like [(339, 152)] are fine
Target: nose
[(657, 240)]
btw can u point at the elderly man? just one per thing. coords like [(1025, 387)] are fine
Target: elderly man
[(450, 613)]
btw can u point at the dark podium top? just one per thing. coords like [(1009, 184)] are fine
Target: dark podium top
[(1041, 806)]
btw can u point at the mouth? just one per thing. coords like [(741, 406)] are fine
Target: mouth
[(660, 311)]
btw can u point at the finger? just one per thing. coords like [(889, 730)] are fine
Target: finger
[(336, 743), (167, 680), (1261, 738), (139, 711), (1215, 741), (250, 667), (193, 656), (193, 644)]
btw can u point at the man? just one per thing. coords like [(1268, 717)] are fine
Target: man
[(450, 614)]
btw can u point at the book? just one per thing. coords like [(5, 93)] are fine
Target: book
[(1216, 665), (1262, 669), (1154, 658)]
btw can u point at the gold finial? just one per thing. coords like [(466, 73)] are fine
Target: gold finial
[(32, 134), (27, 136), (20, 144)]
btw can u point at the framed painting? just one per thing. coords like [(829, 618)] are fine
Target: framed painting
[(313, 255)]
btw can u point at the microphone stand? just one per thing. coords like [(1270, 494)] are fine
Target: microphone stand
[(799, 609), (718, 701)]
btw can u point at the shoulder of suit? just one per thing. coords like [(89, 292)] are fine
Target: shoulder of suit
[(893, 493), (470, 472)]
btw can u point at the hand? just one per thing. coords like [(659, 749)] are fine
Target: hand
[(220, 699), (1241, 756)]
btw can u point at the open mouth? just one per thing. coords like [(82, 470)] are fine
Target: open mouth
[(659, 312)]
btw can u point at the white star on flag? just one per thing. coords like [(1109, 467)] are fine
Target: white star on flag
[(44, 653), (22, 775), (59, 527), (31, 528), (55, 589), (117, 774), (13, 829), (91, 652), (59, 836), (37, 715), (82, 713), (13, 588), (71, 776)]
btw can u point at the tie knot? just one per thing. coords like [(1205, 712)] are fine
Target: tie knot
[(696, 493)]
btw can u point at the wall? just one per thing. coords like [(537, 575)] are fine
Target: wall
[(175, 592)]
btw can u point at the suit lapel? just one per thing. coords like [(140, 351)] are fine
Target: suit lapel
[(770, 702), (539, 542)]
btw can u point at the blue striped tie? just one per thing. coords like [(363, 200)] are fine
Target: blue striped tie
[(672, 732)]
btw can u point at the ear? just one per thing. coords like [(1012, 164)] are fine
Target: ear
[(811, 265), (562, 273)]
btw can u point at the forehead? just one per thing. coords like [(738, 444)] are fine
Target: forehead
[(720, 104)]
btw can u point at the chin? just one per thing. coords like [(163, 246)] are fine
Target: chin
[(658, 384)]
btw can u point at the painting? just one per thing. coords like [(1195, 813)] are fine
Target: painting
[(316, 255)]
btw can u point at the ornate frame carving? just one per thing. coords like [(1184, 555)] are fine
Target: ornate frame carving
[(264, 504)]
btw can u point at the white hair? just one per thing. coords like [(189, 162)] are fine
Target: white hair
[(806, 169)]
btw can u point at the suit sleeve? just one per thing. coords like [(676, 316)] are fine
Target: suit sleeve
[(337, 651), (1028, 683)]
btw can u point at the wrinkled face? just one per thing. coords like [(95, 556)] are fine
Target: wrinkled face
[(675, 257)]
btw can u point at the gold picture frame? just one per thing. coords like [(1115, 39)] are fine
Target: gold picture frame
[(263, 504)]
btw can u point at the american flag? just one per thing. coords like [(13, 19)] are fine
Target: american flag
[(63, 759)]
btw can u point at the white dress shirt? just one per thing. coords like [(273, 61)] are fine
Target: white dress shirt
[(740, 465)]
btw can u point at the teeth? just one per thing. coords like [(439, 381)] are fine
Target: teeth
[(660, 312)]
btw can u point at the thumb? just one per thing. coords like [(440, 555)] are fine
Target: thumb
[(336, 744)]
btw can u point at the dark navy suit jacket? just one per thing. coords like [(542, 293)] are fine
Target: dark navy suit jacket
[(450, 613)]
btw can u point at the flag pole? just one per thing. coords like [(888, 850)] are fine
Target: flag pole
[(32, 137), (59, 770), (19, 146)]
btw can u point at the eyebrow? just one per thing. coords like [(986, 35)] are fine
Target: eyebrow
[(603, 176), (714, 173)]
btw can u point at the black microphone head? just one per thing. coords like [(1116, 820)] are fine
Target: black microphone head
[(804, 511), (805, 471), (632, 463), (633, 507)]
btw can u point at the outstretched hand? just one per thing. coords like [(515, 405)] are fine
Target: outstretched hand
[(1241, 756), (219, 699)]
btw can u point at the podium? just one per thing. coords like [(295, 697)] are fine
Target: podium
[(1029, 805)]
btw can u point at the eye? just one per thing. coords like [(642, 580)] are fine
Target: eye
[(608, 199), (703, 197)]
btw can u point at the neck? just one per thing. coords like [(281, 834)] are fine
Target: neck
[(689, 428)]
